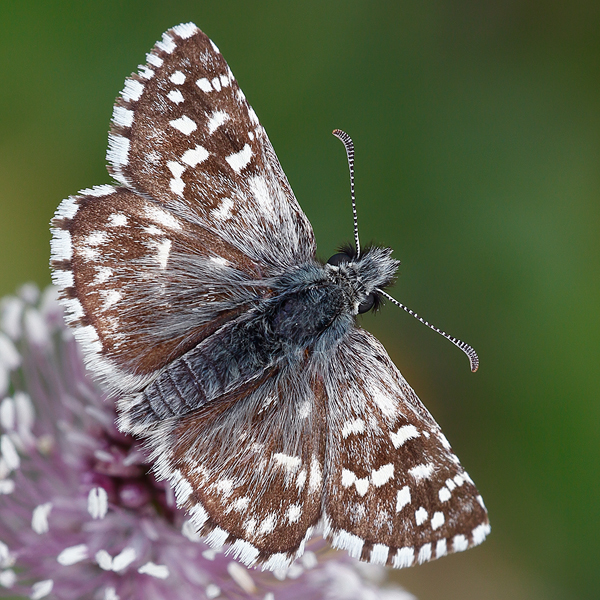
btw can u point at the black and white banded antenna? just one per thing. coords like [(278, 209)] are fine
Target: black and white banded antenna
[(468, 350), (349, 145)]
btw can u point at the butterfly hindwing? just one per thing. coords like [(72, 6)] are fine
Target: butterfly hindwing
[(248, 467), (140, 284), (395, 493)]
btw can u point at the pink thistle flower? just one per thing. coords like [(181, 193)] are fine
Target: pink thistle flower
[(81, 515)]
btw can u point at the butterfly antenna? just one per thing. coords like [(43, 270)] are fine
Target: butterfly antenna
[(349, 145), (473, 358)]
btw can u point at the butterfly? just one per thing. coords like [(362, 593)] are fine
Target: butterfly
[(194, 290)]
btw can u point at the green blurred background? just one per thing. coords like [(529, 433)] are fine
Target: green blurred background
[(477, 132)]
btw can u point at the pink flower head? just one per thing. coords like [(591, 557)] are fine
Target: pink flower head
[(82, 515)]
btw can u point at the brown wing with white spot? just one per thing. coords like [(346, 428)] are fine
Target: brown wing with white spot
[(248, 467), (150, 269), (184, 135), (142, 285), (395, 493)]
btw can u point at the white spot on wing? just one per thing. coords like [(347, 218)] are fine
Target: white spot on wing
[(145, 72), (246, 553), (216, 538), (437, 520), (175, 168), (424, 553), (177, 186), (253, 116), (195, 156), (154, 60), (175, 96), (444, 494), (184, 124), (382, 475), (177, 77), (344, 540), (240, 159), (217, 119), (402, 498), (182, 487), (404, 558), (423, 471), (260, 190), (268, 525), (379, 554), (293, 513), (225, 487), (118, 150), (117, 220), (204, 85), (68, 208), (459, 543), (63, 279), (289, 463), (480, 532), (96, 238), (241, 504), (316, 477), (301, 479), (403, 434), (441, 548), (162, 253), (349, 478), (198, 515), (61, 246), (420, 515), (386, 404), (355, 426)]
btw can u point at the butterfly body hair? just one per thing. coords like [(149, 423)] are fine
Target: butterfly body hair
[(307, 310)]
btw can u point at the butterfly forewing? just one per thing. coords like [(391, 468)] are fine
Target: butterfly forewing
[(184, 134), (395, 493), (144, 268)]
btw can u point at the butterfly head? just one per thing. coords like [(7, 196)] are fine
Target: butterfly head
[(374, 269)]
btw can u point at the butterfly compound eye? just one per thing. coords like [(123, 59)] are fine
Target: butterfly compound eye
[(367, 305), (338, 259)]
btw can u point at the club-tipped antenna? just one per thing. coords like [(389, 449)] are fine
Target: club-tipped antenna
[(349, 145), (473, 358)]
